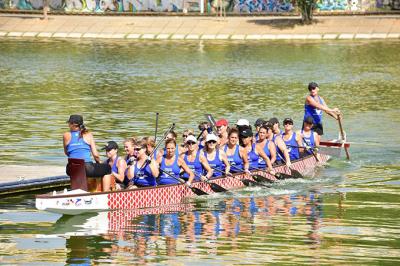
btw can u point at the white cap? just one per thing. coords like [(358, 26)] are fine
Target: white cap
[(243, 122), (191, 138), (211, 137)]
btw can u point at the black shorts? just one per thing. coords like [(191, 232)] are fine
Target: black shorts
[(97, 169)]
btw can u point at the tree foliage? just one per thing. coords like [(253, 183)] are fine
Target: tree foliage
[(306, 8)]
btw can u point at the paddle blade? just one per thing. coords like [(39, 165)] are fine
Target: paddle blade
[(198, 192), (217, 188), (281, 176), (248, 183), (260, 178), (296, 174)]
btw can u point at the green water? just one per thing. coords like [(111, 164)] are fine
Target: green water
[(345, 213)]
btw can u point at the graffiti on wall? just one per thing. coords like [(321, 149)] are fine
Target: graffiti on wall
[(263, 5), (357, 5), (240, 6), (96, 5)]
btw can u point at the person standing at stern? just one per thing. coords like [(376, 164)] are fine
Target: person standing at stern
[(315, 105)]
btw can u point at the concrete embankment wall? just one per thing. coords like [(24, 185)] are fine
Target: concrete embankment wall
[(200, 28)]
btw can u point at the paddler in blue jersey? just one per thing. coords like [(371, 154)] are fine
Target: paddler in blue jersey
[(79, 144), (314, 106)]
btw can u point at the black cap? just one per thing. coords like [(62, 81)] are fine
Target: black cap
[(111, 145), (259, 122), (246, 132), (309, 120), (287, 120), (273, 121), (75, 119), (312, 85)]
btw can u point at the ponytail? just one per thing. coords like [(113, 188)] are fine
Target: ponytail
[(83, 130)]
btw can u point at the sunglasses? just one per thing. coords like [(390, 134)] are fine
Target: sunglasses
[(313, 89), (212, 141), (289, 123), (190, 143), (185, 136)]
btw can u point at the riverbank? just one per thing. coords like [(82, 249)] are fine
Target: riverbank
[(204, 28)]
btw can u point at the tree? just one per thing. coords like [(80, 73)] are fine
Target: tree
[(306, 8)]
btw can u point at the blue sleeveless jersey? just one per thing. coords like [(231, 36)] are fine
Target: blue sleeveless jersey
[(261, 162), (217, 163), (201, 146), (173, 170), (315, 113), (144, 177), (114, 168), (276, 135), (253, 157), (77, 148), (310, 141), (293, 151), (195, 166), (235, 160)]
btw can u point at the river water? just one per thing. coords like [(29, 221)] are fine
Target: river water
[(345, 213)]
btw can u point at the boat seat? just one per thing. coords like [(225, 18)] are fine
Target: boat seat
[(77, 174)]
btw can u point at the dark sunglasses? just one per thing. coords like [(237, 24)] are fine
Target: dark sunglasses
[(313, 89), (288, 123), (190, 143), (137, 149), (185, 136), (211, 141)]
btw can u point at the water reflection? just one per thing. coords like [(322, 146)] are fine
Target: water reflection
[(223, 228)]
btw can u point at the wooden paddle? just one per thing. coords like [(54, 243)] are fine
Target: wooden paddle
[(342, 136), (215, 187), (278, 175), (162, 140), (256, 177), (155, 132), (308, 148), (195, 190), (246, 182), (211, 120), (294, 172)]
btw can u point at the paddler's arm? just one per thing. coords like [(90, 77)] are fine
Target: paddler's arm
[(316, 140), (66, 140), (93, 148), (121, 165), (324, 107), (282, 146), (299, 141), (154, 168), (245, 159), (206, 166), (224, 159), (272, 150), (131, 171), (262, 154), (184, 166)]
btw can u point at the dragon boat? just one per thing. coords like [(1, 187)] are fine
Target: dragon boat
[(77, 201)]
